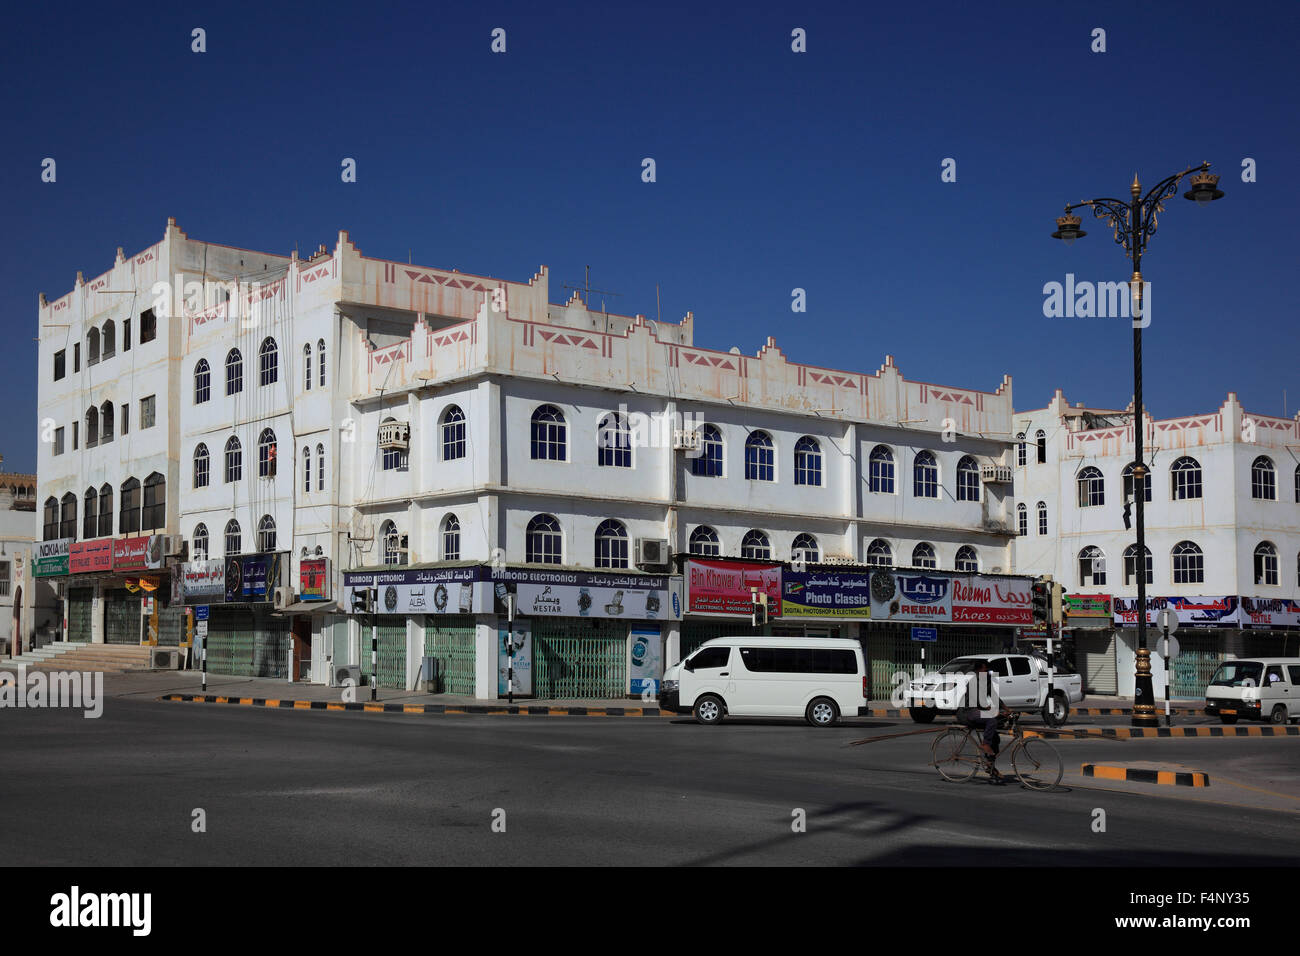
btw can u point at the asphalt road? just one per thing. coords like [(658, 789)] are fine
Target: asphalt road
[(288, 788)]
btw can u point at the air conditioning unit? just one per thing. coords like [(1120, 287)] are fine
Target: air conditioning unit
[(395, 435), (995, 474), (345, 672), (282, 598), (652, 552), (165, 658), (686, 439), (173, 545)]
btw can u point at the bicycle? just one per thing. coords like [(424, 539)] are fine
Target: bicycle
[(957, 756)]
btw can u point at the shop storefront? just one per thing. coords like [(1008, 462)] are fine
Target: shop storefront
[(244, 637)]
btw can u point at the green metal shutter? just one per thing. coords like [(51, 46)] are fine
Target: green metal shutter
[(890, 649), (171, 626), (122, 618), (451, 640), (392, 650), (81, 603), (230, 641), (270, 646), (695, 633), (575, 659), (1199, 656)]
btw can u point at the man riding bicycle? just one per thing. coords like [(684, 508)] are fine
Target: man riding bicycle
[(976, 717)]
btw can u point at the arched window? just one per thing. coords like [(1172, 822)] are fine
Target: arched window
[(611, 544), (451, 538), (550, 434), (105, 510), (760, 457), (1021, 450), (234, 538), (1263, 479), (1189, 563), (92, 347), (808, 461), (543, 543), (128, 522), (92, 426), (968, 479), (1092, 567), (90, 514), (756, 544), (881, 475), (925, 475), (805, 548), (1022, 519), (395, 459), (306, 364), (200, 542), (266, 454), (234, 372), (708, 463), (704, 541), (923, 556), (453, 433), (51, 524), (268, 357), (203, 382), (320, 362), (154, 515), (1265, 563), (879, 552), (1042, 517), (1185, 475), (110, 339), (234, 460), (392, 543), (966, 560), (1040, 438), (1128, 482), (306, 468), (320, 467), (1092, 488), (105, 423), (68, 516), (201, 466), (613, 442), (1131, 568)]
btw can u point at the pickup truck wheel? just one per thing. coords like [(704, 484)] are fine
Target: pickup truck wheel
[(923, 715), (708, 709), (1228, 718), (822, 712), (1056, 711), (1279, 715)]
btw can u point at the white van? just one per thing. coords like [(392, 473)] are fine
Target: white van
[(1258, 688), (817, 678)]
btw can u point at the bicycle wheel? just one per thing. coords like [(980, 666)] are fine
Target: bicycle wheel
[(955, 755), (1037, 764)]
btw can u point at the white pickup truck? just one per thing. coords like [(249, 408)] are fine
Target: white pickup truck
[(1021, 683)]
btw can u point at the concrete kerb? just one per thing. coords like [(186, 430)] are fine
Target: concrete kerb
[(1152, 775)]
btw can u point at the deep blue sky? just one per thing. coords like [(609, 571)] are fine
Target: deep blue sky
[(775, 170)]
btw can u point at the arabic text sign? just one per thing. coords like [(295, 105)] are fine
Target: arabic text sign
[(253, 577), (900, 596), (842, 594), (1269, 613), (50, 557), (1088, 605), (980, 599), (203, 579), (582, 594), (129, 554), (87, 556), (418, 591), (1192, 611), (723, 587)]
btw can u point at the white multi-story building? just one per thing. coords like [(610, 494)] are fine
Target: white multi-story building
[(361, 416), (1222, 530)]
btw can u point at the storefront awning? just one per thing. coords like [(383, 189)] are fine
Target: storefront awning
[(310, 607)]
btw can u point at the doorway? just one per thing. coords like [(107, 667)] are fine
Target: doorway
[(300, 669)]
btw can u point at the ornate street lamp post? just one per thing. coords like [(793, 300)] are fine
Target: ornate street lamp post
[(1134, 223)]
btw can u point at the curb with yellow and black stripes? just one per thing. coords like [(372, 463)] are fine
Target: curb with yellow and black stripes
[(376, 707), (1133, 733), (1178, 778)]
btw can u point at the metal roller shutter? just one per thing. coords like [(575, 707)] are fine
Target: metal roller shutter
[(890, 649), (230, 641), (81, 603), (392, 650), (574, 659), (1199, 656), (122, 618), (451, 641), (1095, 654)]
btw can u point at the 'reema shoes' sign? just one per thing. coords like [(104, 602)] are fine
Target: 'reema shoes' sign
[(76, 909), (42, 689)]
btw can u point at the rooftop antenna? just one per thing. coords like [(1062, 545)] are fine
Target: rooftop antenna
[(659, 315), (588, 290)]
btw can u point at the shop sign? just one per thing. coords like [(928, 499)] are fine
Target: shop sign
[(314, 579), (724, 587), (417, 591), (1192, 611), (537, 593), (203, 579), (50, 557), (87, 556), (981, 599), (835, 594), (254, 577), (908, 596), (129, 554), (1088, 605)]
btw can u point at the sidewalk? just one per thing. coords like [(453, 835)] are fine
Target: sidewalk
[(188, 684)]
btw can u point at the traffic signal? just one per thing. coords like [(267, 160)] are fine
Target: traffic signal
[(364, 600), (1060, 610), (1041, 600), (760, 606)]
